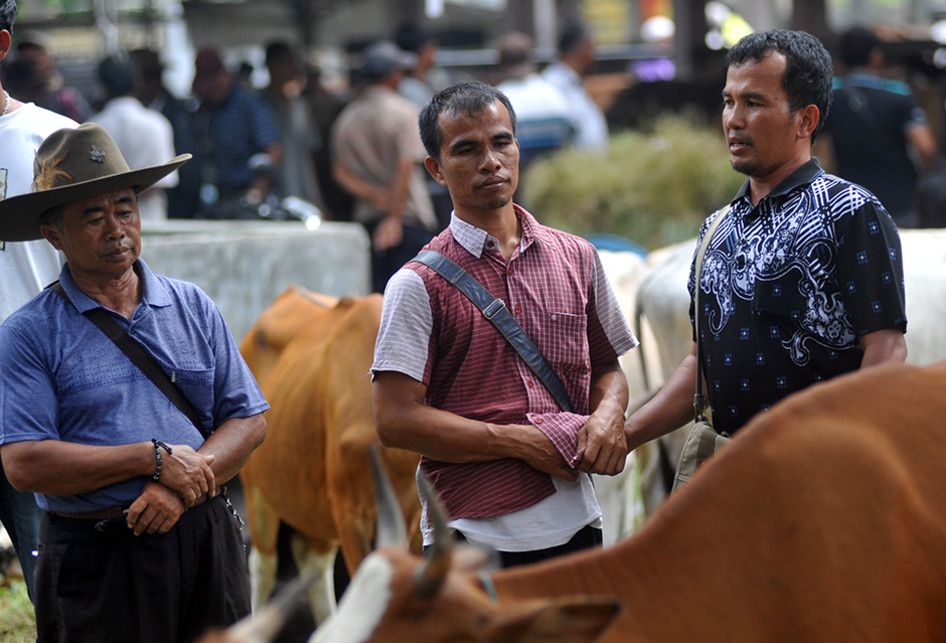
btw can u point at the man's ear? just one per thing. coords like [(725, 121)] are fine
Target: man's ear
[(52, 234), (809, 117), (433, 167), (5, 40)]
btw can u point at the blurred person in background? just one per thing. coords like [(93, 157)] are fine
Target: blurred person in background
[(576, 55), (418, 86), (53, 93), (543, 117), (298, 134), (880, 137), (143, 135), (184, 198), (376, 149), (238, 141)]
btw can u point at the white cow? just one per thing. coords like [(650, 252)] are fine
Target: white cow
[(620, 496)]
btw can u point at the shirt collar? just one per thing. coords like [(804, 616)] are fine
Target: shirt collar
[(153, 292), (474, 239), (804, 175)]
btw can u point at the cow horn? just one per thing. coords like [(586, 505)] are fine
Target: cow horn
[(429, 576), (390, 527)]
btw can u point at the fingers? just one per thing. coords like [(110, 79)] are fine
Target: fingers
[(156, 510)]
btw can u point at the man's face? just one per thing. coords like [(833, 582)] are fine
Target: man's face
[(479, 158), (763, 134), (214, 88), (100, 235)]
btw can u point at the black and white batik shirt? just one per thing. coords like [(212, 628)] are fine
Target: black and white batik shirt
[(789, 286)]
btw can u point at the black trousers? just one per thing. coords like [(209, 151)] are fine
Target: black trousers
[(586, 538), (104, 586)]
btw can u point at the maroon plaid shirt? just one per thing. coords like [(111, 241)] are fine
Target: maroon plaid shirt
[(552, 285)]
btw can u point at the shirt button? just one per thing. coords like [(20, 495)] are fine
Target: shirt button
[(529, 383), (538, 421), (554, 317), (517, 309)]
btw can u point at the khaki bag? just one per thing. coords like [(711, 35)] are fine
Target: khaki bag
[(702, 442), (702, 439)]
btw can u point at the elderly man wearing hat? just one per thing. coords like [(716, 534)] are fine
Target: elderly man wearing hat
[(24, 267), (377, 150), (125, 408)]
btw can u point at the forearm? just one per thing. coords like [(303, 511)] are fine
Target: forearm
[(448, 437), (355, 185), (58, 468), (609, 392), (670, 408), (400, 188), (883, 346), (231, 444)]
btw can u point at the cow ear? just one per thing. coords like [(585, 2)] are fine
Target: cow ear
[(568, 620)]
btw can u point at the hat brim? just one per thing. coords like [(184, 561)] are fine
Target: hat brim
[(19, 215)]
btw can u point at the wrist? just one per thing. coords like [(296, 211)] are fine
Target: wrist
[(158, 447)]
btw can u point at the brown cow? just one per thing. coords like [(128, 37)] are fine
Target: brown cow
[(824, 520), (311, 355)]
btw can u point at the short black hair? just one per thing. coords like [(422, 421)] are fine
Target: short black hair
[(574, 35), (808, 70), (856, 45), (7, 14), (469, 97), (278, 51), (118, 75)]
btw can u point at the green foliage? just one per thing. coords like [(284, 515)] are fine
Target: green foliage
[(653, 186), (17, 623)]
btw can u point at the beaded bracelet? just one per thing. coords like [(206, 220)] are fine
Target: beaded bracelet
[(158, 445)]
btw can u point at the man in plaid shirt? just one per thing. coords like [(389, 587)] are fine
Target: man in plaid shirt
[(511, 467)]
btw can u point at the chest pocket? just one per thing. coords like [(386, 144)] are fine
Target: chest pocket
[(780, 299), (567, 345)]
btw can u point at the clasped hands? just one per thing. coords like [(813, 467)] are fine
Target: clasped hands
[(601, 446), (186, 479)]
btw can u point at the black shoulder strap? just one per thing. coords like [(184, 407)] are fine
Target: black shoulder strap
[(496, 312), (139, 357)]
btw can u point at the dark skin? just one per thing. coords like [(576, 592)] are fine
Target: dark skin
[(101, 238), (479, 165)]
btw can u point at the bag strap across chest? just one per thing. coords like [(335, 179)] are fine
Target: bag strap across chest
[(699, 400), (494, 309), (139, 357)]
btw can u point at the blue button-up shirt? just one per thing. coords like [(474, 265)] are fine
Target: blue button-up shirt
[(61, 378)]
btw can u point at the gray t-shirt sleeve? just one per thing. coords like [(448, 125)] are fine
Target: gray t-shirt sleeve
[(406, 327)]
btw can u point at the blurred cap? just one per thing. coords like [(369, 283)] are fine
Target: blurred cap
[(382, 58)]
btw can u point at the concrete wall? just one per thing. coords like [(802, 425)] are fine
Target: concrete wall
[(243, 265)]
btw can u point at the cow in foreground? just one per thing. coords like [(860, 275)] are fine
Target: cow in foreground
[(824, 520), (311, 355)]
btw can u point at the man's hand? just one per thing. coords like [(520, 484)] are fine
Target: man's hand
[(187, 473), (388, 233), (539, 453), (604, 443), (156, 510)]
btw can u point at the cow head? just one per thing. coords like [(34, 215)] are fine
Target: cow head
[(396, 596)]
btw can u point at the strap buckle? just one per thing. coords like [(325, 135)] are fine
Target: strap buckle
[(493, 308)]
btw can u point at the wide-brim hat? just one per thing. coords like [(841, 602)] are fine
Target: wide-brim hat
[(70, 165)]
